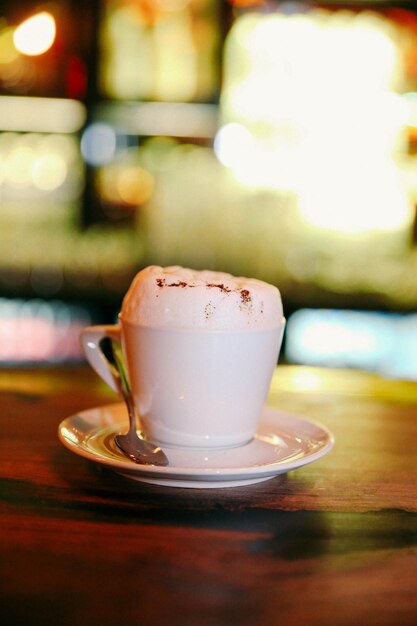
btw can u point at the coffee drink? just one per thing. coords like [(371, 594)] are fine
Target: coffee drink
[(175, 297)]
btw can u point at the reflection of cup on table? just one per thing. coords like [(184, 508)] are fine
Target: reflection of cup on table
[(200, 349)]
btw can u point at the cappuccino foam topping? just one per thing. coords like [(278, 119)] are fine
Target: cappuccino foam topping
[(177, 297)]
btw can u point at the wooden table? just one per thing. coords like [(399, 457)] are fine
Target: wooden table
[(332, 543)]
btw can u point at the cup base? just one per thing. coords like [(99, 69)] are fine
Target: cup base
[(200, 447)]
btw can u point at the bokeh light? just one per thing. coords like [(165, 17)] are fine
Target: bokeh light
[(39, 331), (8, 52), (49, 172), (35, 35), (98, 143), (126, 184), (319, 93), (234, 145), (373, 341)]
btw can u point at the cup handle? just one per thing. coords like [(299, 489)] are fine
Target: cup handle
[(91, 338)]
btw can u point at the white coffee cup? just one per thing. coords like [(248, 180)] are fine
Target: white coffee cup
[(200, 349), (192, 387)]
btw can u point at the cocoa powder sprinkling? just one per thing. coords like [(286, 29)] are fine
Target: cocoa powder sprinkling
[(161, 282), (220, 286), (245, 295), (209, 310)]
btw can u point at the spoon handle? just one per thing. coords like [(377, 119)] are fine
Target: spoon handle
[(120, 368), (124, 383)]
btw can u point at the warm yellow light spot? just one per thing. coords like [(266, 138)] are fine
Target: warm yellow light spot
[(107, 183), (306, 379), (131, 184), (318, 93), (19, 166), (8, 52), (35, 35), (135, 185), (49, 172)]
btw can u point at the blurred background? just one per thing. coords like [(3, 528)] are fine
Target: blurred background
[(264, 138)]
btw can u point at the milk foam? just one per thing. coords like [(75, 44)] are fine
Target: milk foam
[(177, 297)]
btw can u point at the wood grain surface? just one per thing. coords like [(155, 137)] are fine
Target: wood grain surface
[(333, 543)]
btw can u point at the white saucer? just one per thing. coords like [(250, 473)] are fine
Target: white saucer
[(284, 442)]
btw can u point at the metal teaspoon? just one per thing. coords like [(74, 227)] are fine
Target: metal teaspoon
[(135, 448)]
